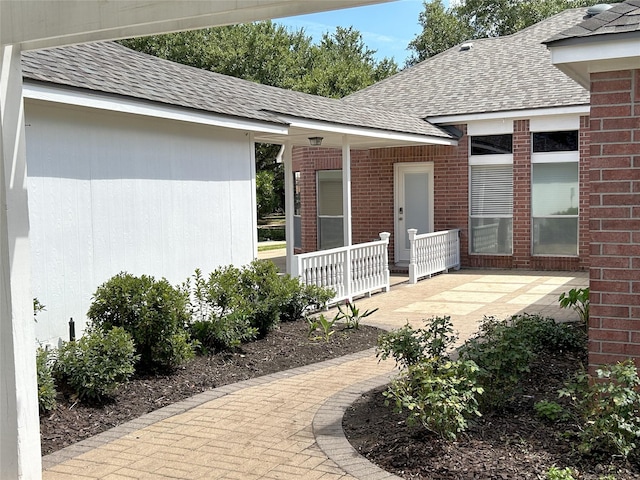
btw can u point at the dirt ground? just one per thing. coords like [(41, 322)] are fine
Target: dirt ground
[(284, 348)]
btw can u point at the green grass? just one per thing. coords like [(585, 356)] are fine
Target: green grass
[(276, 246)]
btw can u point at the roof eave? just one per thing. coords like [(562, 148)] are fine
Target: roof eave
[(43, 91), (463, 118), (359, 137), (579, 57)]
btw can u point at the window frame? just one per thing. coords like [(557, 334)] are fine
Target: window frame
[(555, 157), (488, 160)]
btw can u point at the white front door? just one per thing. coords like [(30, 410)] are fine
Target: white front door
[(413, 204)]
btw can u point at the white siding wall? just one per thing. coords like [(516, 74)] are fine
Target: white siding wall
[(111, 192)]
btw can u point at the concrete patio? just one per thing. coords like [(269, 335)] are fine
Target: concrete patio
[(288, 425)]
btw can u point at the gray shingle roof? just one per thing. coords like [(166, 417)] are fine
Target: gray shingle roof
[(496, 74), (620, 18), (111, 68)]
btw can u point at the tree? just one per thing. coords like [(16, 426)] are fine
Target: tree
[(271, 54), (443, 28), (342, 64)]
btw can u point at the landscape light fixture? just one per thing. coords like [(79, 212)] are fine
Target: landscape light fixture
[(315, 141)]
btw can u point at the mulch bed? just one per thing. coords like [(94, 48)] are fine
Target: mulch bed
[(512, 444), (284, 348)]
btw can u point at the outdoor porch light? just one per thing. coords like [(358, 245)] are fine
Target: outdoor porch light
[(315, 141)]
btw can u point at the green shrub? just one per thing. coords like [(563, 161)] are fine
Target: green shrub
[(440, 396), (544, 334), (503, 355), (46, 384), (260, 299), (95, 365), (609, 408), (152, 311), (296, 298), (222, 333), (409, 347), (505, 349)]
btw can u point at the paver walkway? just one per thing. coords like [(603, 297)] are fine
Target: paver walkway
[(287, 425)]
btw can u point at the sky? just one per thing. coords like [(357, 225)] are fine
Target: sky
[(386, 27)]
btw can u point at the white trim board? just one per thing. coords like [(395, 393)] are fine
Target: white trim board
[(114, 103)]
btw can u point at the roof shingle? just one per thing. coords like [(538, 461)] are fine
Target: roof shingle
[(620, 18), (496, 74), (111, 68)]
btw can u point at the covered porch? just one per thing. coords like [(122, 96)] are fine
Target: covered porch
[(360, 267)]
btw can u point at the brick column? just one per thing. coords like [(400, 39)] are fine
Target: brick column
[(584, 236), (614, 333), (521, 194)]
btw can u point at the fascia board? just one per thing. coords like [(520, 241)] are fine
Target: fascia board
[(113, 103), (321, 126), (512, 114)]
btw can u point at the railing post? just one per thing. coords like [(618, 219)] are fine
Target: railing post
[(347, 274), (413, 274), (384, 236), (457, 234)]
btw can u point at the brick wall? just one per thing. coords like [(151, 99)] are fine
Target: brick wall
[(372, 190), (614, 333)]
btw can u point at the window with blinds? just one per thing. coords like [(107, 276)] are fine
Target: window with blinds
[(491, 209)]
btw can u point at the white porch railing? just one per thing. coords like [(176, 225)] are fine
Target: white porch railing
[(350, 271), (432, 253), (485, 238)]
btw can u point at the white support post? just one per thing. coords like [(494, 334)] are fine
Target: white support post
[(289, 206), (19, 423), (413, 275), (346, 211), (384, 236)]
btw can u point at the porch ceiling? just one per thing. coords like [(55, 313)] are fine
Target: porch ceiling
[(51, 23)]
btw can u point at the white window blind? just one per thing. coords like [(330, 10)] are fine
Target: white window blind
[(491, 190)]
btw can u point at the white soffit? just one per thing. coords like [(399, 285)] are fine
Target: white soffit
[(581, 58), (508, 115), (114, 103), (47, 23)]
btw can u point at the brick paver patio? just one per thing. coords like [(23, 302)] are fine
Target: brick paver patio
[(288, 425)]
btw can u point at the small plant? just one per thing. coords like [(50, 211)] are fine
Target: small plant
[(46, 384), (324, 325), (554, 473), (440, 396), (37, 308), (95, 365), (351, 314), (609, 407), (578, 299), (550, 411), (409, 347)]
